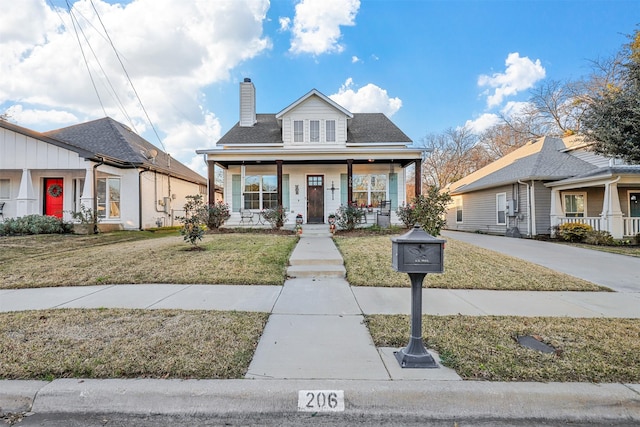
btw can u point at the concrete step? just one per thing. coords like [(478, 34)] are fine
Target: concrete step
[(310, 271)]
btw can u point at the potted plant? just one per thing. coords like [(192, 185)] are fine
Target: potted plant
[(85, 220)]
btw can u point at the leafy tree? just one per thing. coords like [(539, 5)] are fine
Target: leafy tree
[(613, 115)]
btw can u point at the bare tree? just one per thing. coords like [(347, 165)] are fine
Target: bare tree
[(452, 155)]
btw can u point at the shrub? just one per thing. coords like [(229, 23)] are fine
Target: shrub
[(275, 216), (594, 237), (195, 217), (218, 214), (34, 224), (406, 213), (574, 232), (430, 209), (348, 217), (636, 238)]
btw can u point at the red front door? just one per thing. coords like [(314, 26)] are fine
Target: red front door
[(53, 196)]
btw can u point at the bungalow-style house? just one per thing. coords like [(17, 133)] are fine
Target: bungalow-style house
[(310, 158), (544, 184), (101, 165)]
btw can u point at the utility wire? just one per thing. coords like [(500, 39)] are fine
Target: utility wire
[(128, 77)]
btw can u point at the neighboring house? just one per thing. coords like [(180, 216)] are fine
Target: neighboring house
[(546, 183), (311, 158), (101, 165)]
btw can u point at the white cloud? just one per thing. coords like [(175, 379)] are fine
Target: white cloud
[(520, 74), (285, 23), (29, 117), (172, 50), (316, 25), (367, 99), (482, 123), (355, 59)]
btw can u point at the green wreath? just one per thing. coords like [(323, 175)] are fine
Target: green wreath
[(55, 190)]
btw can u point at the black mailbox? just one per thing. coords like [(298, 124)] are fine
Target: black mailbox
[(417, 252)]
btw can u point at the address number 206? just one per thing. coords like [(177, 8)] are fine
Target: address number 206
[(321, 400)]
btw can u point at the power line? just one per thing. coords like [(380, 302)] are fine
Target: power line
[(127, 75)]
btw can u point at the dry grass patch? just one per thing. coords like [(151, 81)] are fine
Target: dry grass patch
[(483, 348), (127, 344), (135, 257), (368, 263)]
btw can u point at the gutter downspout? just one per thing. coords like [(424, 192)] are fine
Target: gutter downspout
[(140, 197), (528, 207), (534, 230)]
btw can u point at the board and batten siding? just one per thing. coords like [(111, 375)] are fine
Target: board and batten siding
[(18, 151), (314, 109)]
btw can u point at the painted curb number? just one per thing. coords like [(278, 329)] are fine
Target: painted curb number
[(321, 400)]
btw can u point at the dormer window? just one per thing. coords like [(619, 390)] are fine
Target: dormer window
[(314, 130), (330, 130), (298, 131)]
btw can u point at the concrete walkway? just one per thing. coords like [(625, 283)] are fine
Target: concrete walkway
[(315, 339)]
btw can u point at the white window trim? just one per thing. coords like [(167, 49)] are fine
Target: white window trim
[(326, 130), (107, 213), (575, 193), (459, 207), (498, 196), (261, 192)]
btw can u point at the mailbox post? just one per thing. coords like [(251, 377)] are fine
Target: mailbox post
[(417, 253)]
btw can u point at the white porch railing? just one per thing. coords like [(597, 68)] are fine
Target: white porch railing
[(593, 221), (631, 226)]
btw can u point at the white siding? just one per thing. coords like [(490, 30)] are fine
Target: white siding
[(19, 151), (314, 109)]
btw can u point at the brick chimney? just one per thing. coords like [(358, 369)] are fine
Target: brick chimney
[(247, 103)]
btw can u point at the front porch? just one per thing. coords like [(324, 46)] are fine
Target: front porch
[(630, 225), (605, 201)]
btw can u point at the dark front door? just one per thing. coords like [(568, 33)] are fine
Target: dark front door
[(53, 196), (634, 204), (315, 199)]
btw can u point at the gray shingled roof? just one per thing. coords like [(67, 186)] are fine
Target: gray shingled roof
[(363, 128), (113, 139), (546, 164)]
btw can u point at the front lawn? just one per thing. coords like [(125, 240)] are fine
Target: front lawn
[(368, 263), (484, 348), (142, 257), (127, 344)]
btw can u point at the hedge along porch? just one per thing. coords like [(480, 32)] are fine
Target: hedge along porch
[(310, 158)]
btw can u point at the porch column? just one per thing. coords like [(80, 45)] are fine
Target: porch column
[(349, 182), (279, 178), (418, 177), (26, 200), (211, 179), (86, 198), (611, 211), (556, 210)]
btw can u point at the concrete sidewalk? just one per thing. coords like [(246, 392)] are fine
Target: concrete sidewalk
[(316, 339)]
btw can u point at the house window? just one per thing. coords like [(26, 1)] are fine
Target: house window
[(298, 131), (501, 208), (5, 188), (369, 190), (314, 130), (78, 186), (575, 204), (108, 195), (458, 204), (260, 192), (330, 128)]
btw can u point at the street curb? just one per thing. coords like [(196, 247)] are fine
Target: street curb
[(435, 400)]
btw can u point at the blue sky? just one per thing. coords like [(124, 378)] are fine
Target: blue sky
[(429, 65)]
